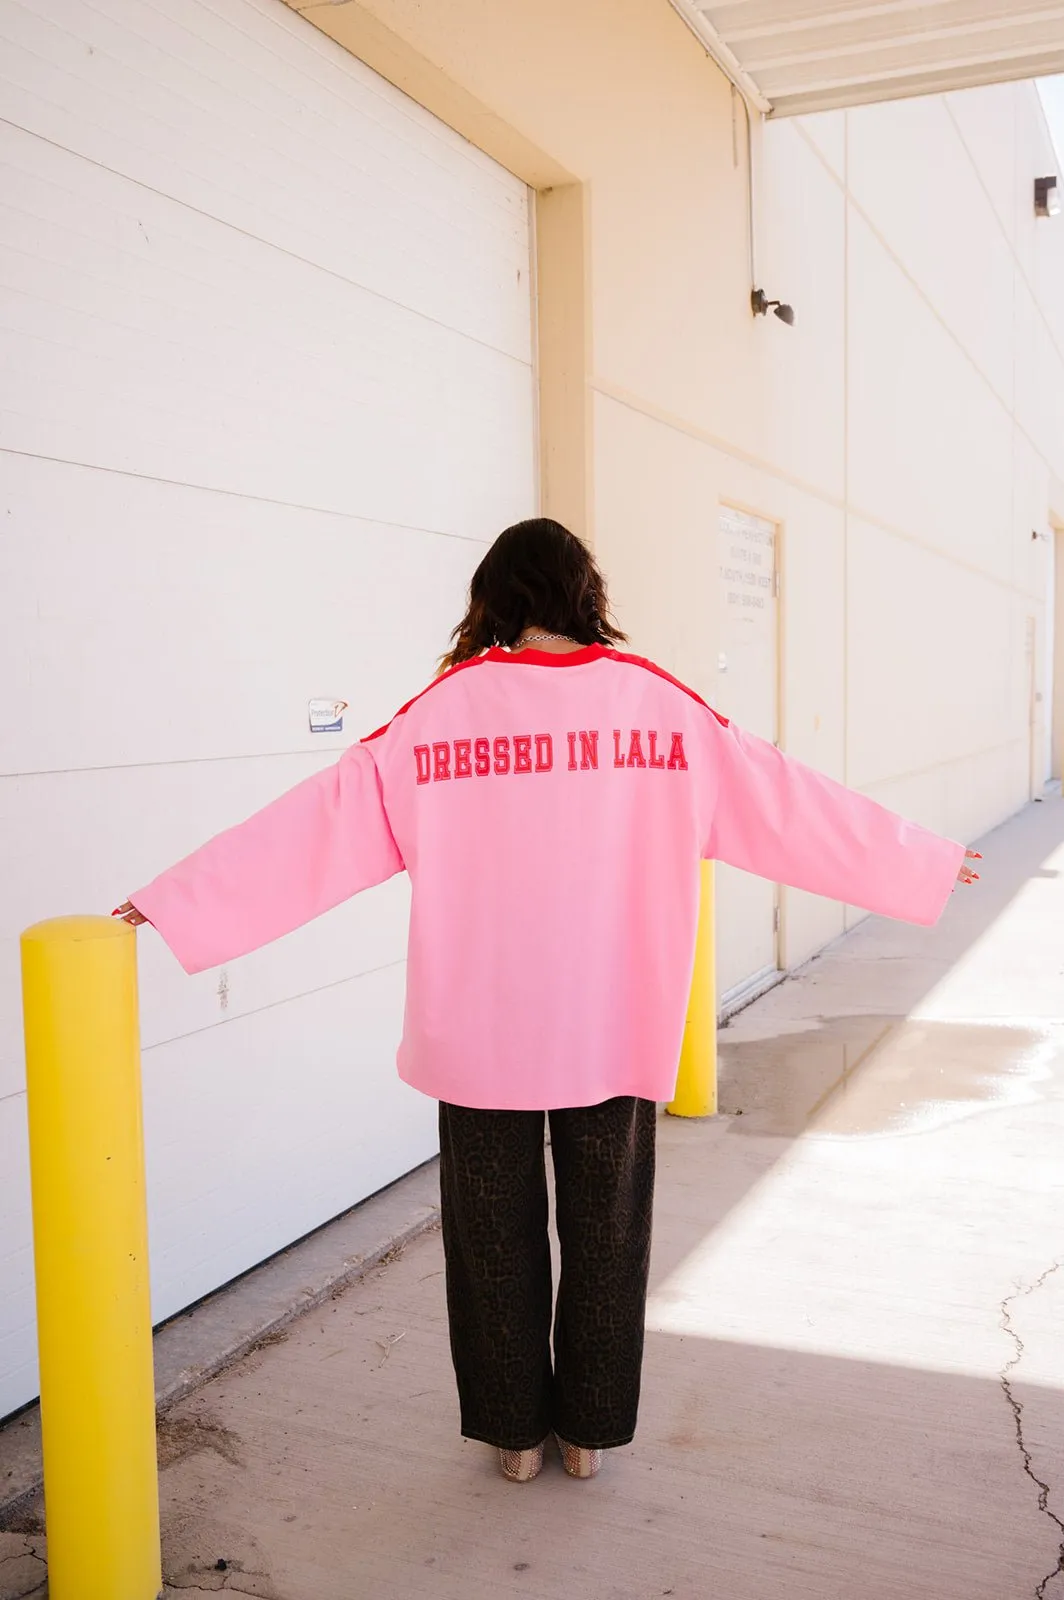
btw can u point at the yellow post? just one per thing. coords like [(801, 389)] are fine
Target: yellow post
[(90, 1240), (696, 1086)]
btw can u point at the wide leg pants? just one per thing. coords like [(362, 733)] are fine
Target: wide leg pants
[(499, 1289)]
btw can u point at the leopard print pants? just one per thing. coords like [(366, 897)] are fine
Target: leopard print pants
[(499, 1291)]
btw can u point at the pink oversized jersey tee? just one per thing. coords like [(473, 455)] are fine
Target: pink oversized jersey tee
[(551, 811)]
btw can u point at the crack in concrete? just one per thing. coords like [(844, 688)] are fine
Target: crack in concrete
[(226, 1587), (1016, 1407), (15, 1580), (185, 1589), (27, 1550), (216, 1576)]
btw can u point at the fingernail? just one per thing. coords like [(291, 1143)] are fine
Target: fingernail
[(117, 912), (978, 855), (975, 876)]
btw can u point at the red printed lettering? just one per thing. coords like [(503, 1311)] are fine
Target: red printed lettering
[(534, 752), (441, 762)]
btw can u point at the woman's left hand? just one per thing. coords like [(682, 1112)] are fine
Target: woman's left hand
[(130, 914), (966, 874)]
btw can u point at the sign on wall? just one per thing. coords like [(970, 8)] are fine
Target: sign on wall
[(747, 562), (327, 716)]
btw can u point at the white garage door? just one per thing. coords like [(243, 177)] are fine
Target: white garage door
[(266, 392)]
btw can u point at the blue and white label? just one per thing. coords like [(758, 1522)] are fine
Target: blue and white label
[(327, 716)]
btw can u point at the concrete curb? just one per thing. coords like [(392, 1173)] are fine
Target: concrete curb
[(197, 1344)]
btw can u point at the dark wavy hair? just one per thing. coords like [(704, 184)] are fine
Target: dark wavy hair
[(536, 574)]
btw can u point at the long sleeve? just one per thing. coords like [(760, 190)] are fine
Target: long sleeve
[(777, 818), (317, 845)]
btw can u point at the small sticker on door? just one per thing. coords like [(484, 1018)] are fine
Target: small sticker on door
[(327, 716)]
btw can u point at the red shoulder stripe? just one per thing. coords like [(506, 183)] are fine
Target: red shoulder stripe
[(443, 677), (659, 672)]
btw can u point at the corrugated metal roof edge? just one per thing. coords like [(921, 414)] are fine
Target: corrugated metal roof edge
[(875, 90), (835, 97)]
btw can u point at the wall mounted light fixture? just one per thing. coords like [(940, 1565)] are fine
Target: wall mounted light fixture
[(761, 305), (1046, 197)]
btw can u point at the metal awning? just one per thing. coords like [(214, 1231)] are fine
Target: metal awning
[(795, 56)]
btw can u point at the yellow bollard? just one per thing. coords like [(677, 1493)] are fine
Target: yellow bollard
[(696, 1086), (90, 1240)]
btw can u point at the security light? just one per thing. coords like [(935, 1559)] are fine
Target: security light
[(762, 305)]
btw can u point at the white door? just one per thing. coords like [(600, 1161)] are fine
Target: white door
[(1055, 657), (747, 692), (1046, 708), (266, 392), (1035, 751)]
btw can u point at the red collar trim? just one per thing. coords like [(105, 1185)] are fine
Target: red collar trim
[(548, 658)]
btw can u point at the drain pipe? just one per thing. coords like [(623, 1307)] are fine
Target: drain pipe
[(754, 104), (726, 60)]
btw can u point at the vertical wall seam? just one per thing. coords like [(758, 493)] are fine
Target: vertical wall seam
[(587, 313), (537, 393), (846, 448)]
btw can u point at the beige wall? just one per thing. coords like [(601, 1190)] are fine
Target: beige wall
[(905, 433), (955, 382)]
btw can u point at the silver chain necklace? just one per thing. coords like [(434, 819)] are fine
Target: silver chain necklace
[(539, 638)]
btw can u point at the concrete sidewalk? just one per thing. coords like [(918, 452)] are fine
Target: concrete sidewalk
[(854, 1372)]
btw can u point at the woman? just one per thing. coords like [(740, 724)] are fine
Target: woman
[(551, 798)]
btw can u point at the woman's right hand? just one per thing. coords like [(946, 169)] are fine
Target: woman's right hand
[(966, 874), (130, 914)]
